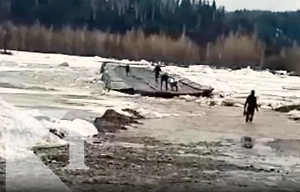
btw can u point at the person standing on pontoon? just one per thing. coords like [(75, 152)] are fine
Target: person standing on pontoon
[(157, 71), (164, 78), (173, 84), (127, 69), (107, 81)]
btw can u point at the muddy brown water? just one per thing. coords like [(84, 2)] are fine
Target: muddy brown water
[(276, 139), (222, 122)]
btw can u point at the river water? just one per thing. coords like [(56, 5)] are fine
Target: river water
[(35, 83)]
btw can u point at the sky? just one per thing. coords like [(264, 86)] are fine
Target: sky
[(272, 5)]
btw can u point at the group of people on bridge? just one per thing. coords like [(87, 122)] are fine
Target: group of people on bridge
[(249, 107), (165, 78)]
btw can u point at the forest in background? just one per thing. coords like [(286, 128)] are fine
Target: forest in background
[(185, 31)]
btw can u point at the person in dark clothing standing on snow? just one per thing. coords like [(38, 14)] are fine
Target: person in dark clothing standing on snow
[(251, 105), (164, 78), (127, 70), (157, 70)]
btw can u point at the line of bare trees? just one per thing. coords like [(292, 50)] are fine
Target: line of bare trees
[(232, 51)]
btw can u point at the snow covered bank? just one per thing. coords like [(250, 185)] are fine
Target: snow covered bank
[(57, 59), (20, 131)]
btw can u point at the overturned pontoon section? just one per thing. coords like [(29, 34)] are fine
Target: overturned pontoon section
[(141, 81)]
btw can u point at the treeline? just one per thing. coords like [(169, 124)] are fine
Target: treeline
[(170, 30), (276, 29), (200, 19), (134, 45), (234, 50)]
